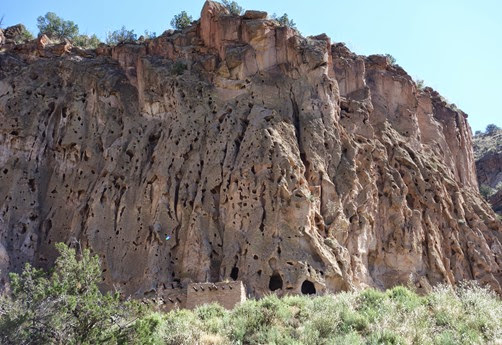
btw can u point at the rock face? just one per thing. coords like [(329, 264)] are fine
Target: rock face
[(286, 162), (488, 155)]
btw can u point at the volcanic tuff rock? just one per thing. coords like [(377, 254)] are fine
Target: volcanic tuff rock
[(488, 155), (287, 162)]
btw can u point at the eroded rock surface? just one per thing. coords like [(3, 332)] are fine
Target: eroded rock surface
[(488, 155), (286, 162)]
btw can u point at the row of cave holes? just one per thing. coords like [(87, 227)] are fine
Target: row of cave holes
[(276, 283)]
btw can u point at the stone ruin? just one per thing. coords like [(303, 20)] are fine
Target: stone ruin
[(227, 294)]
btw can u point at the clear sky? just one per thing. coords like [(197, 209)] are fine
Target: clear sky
[(455, 46)]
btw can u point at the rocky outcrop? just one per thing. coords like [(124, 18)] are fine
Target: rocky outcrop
[(488, 154), (238, 149)]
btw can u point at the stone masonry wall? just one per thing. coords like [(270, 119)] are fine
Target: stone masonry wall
[(172, 298), (227, 294)]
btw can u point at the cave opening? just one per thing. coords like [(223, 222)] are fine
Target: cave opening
[(308, 288), (234, 274), (275, 282)]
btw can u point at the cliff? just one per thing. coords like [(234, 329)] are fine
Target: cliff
[(286, 162), (488, 156)]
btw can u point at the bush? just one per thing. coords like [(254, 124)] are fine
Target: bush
[(25, 36), (148, 35), (181, 21), (86, 42), (486, 191), (390, 59), (420, 84), (120, 36), (233, 7), (285, 21), (178, 68), (492, 128), (56, 27), (64, 306)]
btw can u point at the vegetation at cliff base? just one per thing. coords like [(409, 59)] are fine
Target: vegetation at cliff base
[(468, 315), (65, 306)]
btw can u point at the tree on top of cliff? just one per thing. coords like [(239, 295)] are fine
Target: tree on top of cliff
[(391, 59), (492, 128), (120, 36), (181, 21), (86, 41), (284, 20), (233, 7), (56, 27)]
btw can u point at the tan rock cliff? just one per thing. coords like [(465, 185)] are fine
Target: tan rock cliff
[(286, 162), (488, 155)]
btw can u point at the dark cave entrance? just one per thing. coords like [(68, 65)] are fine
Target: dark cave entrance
[(275, 282), (235, 273), (308, 288)]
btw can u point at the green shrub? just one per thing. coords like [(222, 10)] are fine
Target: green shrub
[(145, 330), (486, 191), (385, 337), (181, 327), (24, 37), (420, 84), (181, 21), (212, 317), (56, 27), (86, 42), (120, 36), (178, 68), (405, 298), (492, 128), (232, 7), (371, 304), (284, 20), (390, 59), (64, 306), (148, 35)]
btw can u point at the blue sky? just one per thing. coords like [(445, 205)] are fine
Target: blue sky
[(455, 46)]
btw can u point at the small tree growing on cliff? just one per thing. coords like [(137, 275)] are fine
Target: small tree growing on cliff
[(391, 59), (232, 7), (120, 36), (24, 35), (181, 21), (486, 191), (56, 27), (86, 41), (284, 20), (492, 128), (420, 84)]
